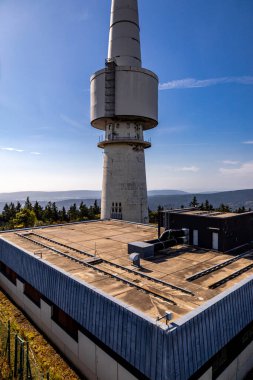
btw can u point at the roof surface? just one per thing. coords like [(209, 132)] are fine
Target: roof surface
[(213, 214), (163, 283)]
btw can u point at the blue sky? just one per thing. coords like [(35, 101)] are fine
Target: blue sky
[(202, 53)]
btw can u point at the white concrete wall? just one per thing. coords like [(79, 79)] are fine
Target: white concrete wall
[(136, 97), (207, 375), (238, 369), (124, 130), (124, 181), (124, 39), (85, 355)]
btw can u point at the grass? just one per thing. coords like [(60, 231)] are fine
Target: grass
[(47, 358)]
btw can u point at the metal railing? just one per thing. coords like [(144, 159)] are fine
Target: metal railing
[(17, 360), (123, 138)]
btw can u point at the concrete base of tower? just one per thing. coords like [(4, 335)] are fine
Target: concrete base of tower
[(124, 191)]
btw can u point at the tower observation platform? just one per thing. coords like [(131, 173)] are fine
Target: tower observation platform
[(124, 104)]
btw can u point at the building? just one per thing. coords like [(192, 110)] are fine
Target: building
[(210, 229), (185, 313), (124, 104)]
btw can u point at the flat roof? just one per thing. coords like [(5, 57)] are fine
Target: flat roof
[(164, 283), (213, 214)]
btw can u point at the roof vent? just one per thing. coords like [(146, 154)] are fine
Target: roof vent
[(135, 258), (168, 316)]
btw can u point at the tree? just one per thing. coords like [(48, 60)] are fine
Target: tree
[(96, 208), (224, 208), (207, 205), (28, 204), (73, 213), (94, 211), (83, 211), (9, 212), (55, 212), (14, 216), (24, 218), (63, 216), (153, 216), (159, 208), (194, 202), (38, 210), (240, 210), (48, 213), (202, 207), (18, 207)]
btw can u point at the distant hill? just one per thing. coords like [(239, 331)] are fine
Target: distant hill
[(166, 198), (52, 196), (234, 199), (152, 193)]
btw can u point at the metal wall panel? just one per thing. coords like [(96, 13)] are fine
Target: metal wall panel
[(158, 353)]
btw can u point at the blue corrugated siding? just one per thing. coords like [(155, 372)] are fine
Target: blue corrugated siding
[(160, 355)]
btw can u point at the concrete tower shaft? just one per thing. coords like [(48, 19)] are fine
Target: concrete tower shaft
[(124, 103), (124, 194), (124, 39)]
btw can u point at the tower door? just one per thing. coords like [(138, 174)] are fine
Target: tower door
[(215, 239), (195, 237)]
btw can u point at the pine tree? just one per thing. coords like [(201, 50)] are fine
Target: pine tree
[(55, 212), (9, 212), (48, 213), (73, 213), (224, 208), (207, 205), (202, 207), (159, 208), (83, 211), (96, 208), (194, 202), (63, 215), (38, 210), (28, 204), (18, 207)]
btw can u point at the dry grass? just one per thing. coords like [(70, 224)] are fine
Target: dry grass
[(46, 357)]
